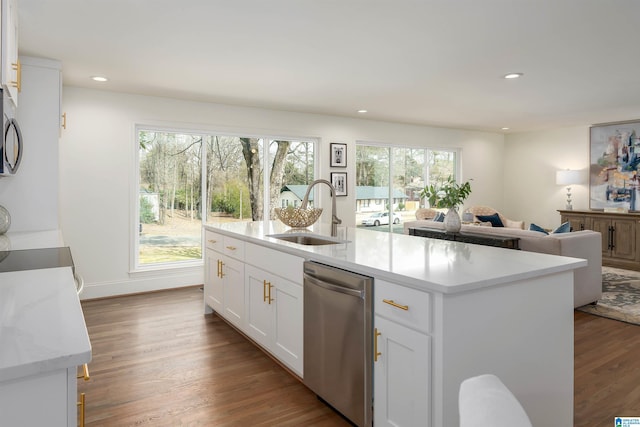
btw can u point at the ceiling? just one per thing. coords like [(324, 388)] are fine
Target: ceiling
[(431, 62)]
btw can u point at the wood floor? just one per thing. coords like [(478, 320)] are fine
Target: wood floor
[(158, 361)]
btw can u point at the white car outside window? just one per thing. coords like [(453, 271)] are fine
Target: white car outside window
[(380, 218)]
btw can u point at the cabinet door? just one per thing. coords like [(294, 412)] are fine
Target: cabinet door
[(624, 239), (233, 291), (402, 380), (602, 225), (274, 316), (259, 312), (288, 320), (213, 285), (10, 65)]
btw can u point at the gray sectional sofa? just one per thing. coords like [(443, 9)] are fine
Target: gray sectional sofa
[(584, 244)]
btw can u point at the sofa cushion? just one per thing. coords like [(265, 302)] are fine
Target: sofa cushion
[(513, 224), (534, 227), (565, 227), (493, 219)]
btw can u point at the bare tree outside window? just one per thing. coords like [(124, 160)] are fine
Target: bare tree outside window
[(174, 194)]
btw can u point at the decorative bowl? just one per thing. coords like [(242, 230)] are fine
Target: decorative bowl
[(298, 218)]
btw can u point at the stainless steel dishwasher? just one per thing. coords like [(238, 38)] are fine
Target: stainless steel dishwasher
[(338, 330)]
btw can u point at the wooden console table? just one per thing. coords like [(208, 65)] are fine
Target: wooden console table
[(620, 234), (467, 237)]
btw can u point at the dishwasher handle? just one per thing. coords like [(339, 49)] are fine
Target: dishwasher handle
[(335, 288)]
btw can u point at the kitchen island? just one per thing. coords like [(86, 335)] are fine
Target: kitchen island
[(459, 310)]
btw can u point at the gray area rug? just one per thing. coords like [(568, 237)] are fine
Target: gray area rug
[(620, 296)]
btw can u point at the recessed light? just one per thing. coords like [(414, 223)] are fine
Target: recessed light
[(362, 111), (99, 78), (513, 75), (505, 128)]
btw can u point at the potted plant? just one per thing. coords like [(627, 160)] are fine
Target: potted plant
[(448, 194)]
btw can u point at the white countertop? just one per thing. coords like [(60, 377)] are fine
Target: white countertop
[(422, 263), (42, 327)]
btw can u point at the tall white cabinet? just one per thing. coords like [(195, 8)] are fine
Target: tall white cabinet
[(11, 68), (38, 114)]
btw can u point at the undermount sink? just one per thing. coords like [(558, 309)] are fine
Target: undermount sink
[(307, 239)]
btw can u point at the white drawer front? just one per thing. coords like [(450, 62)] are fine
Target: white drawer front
[(276, 262), (233, 248), (403, 305), (213, 240)]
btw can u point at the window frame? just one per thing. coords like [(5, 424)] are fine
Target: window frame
[(206, 132), (425, 172)]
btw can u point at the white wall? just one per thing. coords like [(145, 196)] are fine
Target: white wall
[(96, 169), (531, 161)]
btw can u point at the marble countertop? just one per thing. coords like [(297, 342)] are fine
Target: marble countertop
[(418, 262), (42, 326)]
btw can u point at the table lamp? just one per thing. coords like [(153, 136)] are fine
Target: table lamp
[(568, 177)]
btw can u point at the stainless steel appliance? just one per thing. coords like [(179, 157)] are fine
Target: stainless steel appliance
[(11, 141), (338, 329)]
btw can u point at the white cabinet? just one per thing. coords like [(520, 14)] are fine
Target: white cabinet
[(38, 115), (401, 376), (274, 315), (232, 272), (402, 363), (52, 395), (11, 72), (213, 285), (259, 290), (224, 277)]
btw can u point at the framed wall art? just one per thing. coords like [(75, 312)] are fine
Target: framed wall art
[(614, 163), (338, 155), (339, 182)]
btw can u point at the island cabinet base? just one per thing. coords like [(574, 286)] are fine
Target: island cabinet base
[(522, 332), (259, 291), (441, 315), (427, 343)]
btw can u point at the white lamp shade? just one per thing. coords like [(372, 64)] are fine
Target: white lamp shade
[(568, 177)]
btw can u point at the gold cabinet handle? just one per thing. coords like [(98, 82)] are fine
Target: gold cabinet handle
[(376, 353), (64, 121), (264, 291), (269, 292), (17, 66), (220, 265), (231, 248), (85, 373), (81, 406), (395, 304), (210, 240)]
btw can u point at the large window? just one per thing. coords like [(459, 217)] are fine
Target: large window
[(390, 178), (186, 179)]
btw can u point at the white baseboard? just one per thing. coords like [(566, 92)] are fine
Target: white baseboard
[(142, 284)]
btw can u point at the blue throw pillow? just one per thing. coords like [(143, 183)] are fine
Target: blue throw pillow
[(564, 228), (493, 219), (439, 217), (534, 227)]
